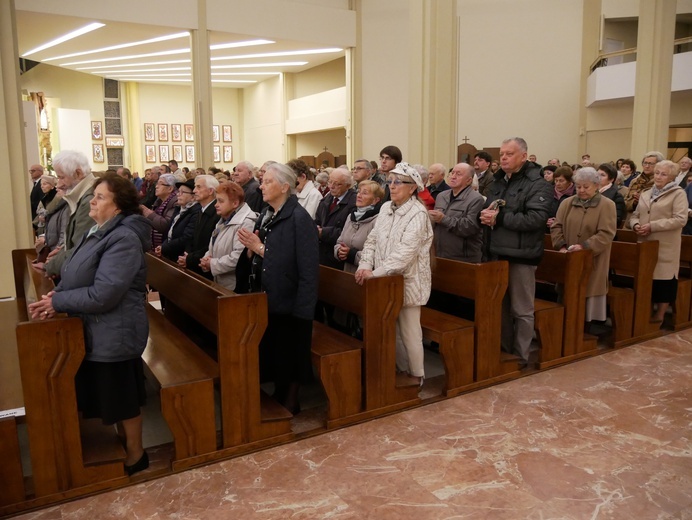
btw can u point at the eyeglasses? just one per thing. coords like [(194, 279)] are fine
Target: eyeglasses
[(32, 171), (356, 168), (334, 183), (397, 182), (649, 163), (182, 192)]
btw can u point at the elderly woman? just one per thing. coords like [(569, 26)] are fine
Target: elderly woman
[(629, 170), (321, 183), (564, 189), (224, 247), (308, 195), (588, 220), (608, 188), (358, 225), (48, 183), (161, 213), (285, 264), (182, 226), (104, 283), (400, 244), (56, 218), (660, 215)]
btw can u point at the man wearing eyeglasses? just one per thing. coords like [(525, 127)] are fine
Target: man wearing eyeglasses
[(644, 181), (332, 213)]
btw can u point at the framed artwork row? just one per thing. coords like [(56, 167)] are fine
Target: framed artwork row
[(159, 132), (165, 153)]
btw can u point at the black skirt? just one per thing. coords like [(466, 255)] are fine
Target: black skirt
[(285, 350), (664, 291), (112, 392)]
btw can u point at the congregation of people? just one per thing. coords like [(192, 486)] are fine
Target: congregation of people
[(269, 228)]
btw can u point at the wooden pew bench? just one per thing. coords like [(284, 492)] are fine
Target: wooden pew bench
[(486, 285), (236, 322), (354, 393), (630, 307), (43, 362), (682, 310), (560, 326)]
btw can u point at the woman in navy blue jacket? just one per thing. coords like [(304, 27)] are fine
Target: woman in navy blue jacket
[(284, 252), (103, 282)]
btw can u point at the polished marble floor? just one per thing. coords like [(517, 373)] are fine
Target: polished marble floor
[(605, 438)]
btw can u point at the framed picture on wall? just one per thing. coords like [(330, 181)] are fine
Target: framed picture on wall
[(117, 141), (189, 153), (149, 132), (178, 152), (150, 153), (228, 154), (176, 135), (163, 153), (98, 152), (227, 134), (217, 154), (215, 133), (163, 132), (96, 130), (189, 133)]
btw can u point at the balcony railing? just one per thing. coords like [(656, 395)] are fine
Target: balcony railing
[(602, 60)]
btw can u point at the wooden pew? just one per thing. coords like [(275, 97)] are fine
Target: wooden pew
[(378, 302), (682, 310), (486, 284), (49, 354), (630, 308), (571, 271), (237, 321)]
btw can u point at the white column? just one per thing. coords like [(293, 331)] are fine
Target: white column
[(201, 89)]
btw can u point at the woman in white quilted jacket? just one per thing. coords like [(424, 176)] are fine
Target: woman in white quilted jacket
[(400, 244)]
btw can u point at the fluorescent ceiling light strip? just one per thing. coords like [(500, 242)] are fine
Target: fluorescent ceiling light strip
[(277, 54), (123, 46), (245, 73), (135, 71), (235, 45), (184, 74), (145, 64), (232, 81), (131, 57), (65, 37), (250, 65), (169, 80)]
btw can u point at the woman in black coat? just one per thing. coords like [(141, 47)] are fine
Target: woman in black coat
[(284, 253), (183, 223), (609, 189)]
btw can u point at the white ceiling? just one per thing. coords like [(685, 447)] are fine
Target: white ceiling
[(35, 29)]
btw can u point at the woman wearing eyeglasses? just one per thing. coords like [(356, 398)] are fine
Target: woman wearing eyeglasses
[(400, 244), (182, 224)]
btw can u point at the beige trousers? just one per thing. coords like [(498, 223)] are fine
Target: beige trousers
[(409, 342)]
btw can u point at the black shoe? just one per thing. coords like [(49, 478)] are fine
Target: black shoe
[(140, 465)]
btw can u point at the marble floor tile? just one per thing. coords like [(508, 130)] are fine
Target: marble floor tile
[(605, 438)]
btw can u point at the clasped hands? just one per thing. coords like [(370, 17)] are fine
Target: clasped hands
[(43, 309)]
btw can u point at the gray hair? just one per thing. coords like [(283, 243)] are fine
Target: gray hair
[(520, 142), (69, 161), (168, 179), (249, 165), (348, 177), (656, 155), (210, 181), (620, 179), (284, 175), (367, 163), (267, 164), (49, 179), (673, 168), (322, 176), (587, 174), (423, 172)]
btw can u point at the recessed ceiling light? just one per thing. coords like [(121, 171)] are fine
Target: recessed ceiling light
[(250, 65), (235, 45), (277, 54), (135, 71), (64, 38), (232, 81), (167, 80), (123, 46), (131, 57), (169, 62)]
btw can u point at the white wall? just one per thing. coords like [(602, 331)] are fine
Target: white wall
[(517, 78), (262, 138)]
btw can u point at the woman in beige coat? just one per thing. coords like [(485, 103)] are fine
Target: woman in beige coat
[(660, 215), (588, 220)]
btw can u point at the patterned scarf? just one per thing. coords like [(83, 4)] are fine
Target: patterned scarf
[(156, 237), (656, 193)]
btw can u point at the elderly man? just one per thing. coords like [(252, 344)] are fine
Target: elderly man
[(332, 213), (516, 212), (205, 195), (644, 181), (436, 179), (76, 180), (35, 171), (685, 164), (242, 174), (457, 228), (481, 165), (175, 171), (150, 196)]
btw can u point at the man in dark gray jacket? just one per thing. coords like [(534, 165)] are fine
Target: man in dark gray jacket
[(516, 212)]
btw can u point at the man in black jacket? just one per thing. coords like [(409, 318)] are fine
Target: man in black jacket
[(243, 175), (332, 213), (36, 172), (205, 194), (516, 211)]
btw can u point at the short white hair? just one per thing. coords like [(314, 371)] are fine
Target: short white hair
[(69, 161), (209, 181)]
